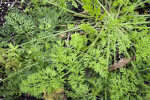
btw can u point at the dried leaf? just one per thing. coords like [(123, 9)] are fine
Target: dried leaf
[(58, 95), (121, 63), (62, 35)]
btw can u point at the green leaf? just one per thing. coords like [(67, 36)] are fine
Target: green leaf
[(29, 52), (11, 46), (47, 45), (78, 41)]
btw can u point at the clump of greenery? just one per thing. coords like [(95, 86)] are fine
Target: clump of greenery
[(47, 53)]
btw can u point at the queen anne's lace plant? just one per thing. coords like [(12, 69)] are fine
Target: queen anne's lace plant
[(48, 53)]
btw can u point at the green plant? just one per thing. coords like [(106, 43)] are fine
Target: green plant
[(20, 49), (72, 56)]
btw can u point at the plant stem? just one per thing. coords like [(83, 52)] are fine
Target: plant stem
[(104, 8), (93, 43), (140, 3), (147, 22), (108, 51), (73, 29), (105, 93), (145, 15), (80, 2), (76, 14)]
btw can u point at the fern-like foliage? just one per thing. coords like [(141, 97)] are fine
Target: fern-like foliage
[(27, 31), (47, 80), (77, 59)]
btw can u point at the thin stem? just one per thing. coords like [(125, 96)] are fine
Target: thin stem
[(73, 29), (108, 51), (110, 5), (135, 23), (13, 3), (133, 50), (145, 15), (97, 37), (127, 12), (80, 2), (145, 69), (104, 8), (118, 11), (106, 3), (105, 93), (141, 27), (77, 28), (94, 42), (140, 3), (115, 49), (77, 14)]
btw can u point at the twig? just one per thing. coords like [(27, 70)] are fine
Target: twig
[(110, 5), (96, 24), (8, 2), (13, 3), (106, 3)]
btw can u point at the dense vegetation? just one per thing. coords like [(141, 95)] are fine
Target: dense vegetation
[(76, 49)]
